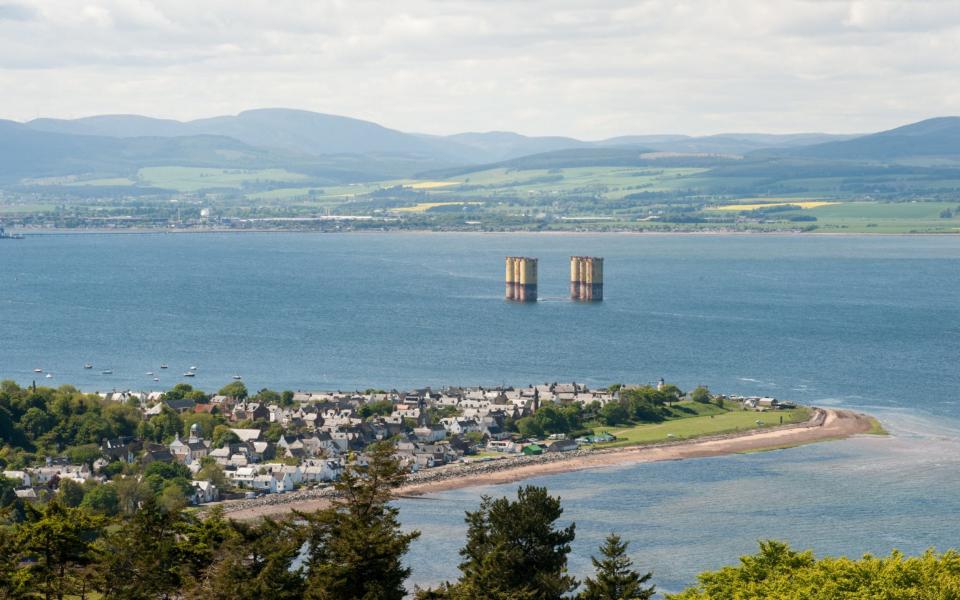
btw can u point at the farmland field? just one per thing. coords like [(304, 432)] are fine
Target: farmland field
[(191, 179)]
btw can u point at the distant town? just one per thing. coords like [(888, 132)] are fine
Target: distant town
[(195, 448)]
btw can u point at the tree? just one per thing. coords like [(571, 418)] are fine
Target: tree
[(56, 542), (236, 389), (779, 572), (613, 413), (212, 472), (71, 493), (701, 394), (356, 545), (86, 454), (141, 560), (102, 500), (529, 427), (251, 561), (13, 581), (514, 550), (615, 578), (223, 436)]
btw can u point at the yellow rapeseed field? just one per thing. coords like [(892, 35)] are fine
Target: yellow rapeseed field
[(801, 204), (425, 206), (429, 185)]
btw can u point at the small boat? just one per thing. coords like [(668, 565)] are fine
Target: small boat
[(237, 377), (107, 372), (38, 370), (156, 379), (49, 375), (163, 366), (193, 368), (88, 366), (189, 374), (149, 373)]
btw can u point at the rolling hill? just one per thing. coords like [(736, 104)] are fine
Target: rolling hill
[(932, 138)]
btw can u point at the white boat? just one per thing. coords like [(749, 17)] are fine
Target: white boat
[(49, 375), (163, 366), (237, 377), (106, 372), (156, 379), (149, 373), (88, 366), (38, 370), (193, 368), (189, 374)]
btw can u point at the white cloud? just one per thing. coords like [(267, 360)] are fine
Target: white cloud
[(564, 67)]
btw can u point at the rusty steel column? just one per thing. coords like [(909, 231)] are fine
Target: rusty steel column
[(574, 277), (596, 292)]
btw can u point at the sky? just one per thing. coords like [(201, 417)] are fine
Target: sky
[(590, 69)]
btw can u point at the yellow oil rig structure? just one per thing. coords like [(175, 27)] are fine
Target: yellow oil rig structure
[(586, 278), (521, 279)]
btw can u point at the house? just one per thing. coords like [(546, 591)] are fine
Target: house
[(182, 405), (430, 433), (156, 452), (22, 477), (459, 425), (28, 494), (563, 446), (502, 446), (193, 449), (321, 470), (246, 435), (122, 448), (204, 491)]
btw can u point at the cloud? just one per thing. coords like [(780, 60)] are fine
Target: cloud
[(563, 67), (15, 12)]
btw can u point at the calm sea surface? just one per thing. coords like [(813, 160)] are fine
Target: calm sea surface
[(862, 322)]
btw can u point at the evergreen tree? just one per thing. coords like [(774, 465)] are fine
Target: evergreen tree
[(13, 580), (251, 561), (356, 545), (56, 542), (140, 560), (615, 578), (514, 551)]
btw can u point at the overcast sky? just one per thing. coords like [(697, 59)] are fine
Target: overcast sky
[(590, 69)]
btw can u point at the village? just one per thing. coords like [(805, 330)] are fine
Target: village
[(307, 439)]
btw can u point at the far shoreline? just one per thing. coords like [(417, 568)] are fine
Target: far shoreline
[(28, 233), (824, 425)]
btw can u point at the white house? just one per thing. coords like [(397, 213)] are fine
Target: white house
[(205, 491), (22, 477)]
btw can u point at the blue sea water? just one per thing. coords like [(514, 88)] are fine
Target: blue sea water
[(863, 322)]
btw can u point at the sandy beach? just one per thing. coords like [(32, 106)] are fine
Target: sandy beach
[(825, 424)]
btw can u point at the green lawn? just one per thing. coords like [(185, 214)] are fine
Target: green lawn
[(691, 427)]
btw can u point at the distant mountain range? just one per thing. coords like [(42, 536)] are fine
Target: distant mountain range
[(340, 149)]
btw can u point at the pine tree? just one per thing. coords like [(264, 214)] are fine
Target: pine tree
[(357, 546), (141, 560), (615, 577), (514, 551), (253, 561), (57, 543)]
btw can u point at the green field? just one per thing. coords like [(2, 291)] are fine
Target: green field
[(705, 424), (192, 179)]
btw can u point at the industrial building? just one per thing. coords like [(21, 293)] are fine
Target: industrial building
[(521, 279), (586, 278)]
